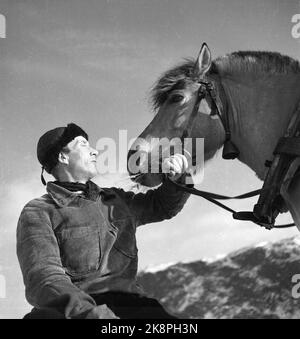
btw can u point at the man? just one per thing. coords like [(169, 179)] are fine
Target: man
[(76, 244)]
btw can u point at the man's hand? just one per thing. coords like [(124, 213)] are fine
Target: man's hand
[(101, 312), (175, 166)]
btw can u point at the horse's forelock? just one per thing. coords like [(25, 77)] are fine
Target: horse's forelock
[(176, 78)]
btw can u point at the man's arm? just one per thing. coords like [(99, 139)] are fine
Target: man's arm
[(46, 282), (164, 202)]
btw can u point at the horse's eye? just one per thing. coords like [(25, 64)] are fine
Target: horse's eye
[(176, 98)]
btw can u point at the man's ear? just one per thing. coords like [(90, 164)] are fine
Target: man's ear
[(63, 158)]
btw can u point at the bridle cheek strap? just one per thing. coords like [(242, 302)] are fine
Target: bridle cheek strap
[(187, 131), (230, 151)]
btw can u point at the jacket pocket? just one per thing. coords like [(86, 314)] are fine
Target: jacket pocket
[(80, 249), (126, 240)]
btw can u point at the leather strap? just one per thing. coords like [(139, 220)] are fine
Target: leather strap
[(289, 146)]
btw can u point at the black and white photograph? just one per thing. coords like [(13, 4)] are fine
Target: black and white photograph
[(150, 161)]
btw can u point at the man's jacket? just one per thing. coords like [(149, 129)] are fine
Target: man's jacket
[(71, 246)]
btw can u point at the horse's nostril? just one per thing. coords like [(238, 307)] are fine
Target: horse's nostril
[(130, 154), (129, 159), (137, 161), (134, 161)]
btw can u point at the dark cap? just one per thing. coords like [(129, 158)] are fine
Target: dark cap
[(53, 141)]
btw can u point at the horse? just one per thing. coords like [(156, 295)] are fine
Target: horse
[(257, 91)]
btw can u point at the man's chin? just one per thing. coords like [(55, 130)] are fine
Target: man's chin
[(93, 171), (93, 174)]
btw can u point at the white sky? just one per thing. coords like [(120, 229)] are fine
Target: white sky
[(93, 63)]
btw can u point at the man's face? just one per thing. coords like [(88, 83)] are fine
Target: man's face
[(81, 159)]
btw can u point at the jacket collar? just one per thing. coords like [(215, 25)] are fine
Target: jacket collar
[(63, 197)]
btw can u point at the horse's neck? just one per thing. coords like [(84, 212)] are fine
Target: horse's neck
[(259, 113)]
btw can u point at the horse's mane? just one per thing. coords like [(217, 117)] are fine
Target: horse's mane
[(237, 64), (256, 64)]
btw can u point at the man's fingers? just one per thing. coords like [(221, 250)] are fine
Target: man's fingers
[(176, 166), (169, 167), (101, 312), (182, 160), (177, 163)]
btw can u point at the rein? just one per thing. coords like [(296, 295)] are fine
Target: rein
[(213, 198), (287, 150)]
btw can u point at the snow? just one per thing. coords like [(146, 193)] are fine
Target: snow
[(161, 267)]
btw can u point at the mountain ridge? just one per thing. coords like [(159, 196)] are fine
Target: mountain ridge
[(252, 282)]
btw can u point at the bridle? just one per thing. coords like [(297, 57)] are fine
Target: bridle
[(207, 88), (287, 150)]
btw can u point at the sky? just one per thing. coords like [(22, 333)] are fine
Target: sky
[(93, 63)]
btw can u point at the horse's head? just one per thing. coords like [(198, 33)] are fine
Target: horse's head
[(185, 109)]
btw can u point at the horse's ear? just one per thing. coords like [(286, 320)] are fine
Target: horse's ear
[(204, 61)]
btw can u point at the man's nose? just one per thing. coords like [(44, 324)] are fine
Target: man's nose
[(94, 152)]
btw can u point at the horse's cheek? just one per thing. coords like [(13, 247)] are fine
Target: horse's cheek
[(213, 134), (204, 127)]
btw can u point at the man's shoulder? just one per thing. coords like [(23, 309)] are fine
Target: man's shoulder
[(35, 213), (41, 203)]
